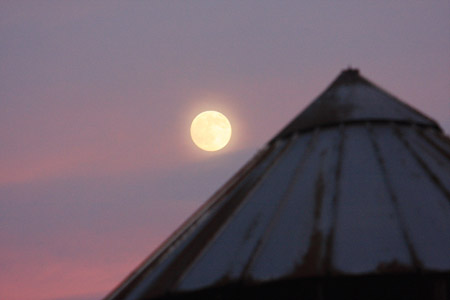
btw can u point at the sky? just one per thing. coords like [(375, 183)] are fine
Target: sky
[(97, 167)]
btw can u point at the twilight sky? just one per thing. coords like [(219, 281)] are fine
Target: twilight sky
[(96, 98)]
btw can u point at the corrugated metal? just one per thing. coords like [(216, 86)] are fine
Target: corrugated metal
[(364, 191)]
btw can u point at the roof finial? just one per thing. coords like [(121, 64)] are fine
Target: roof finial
[(351, 71)]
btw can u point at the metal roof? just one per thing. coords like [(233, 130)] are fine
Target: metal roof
[(357, 184), (351, 99)]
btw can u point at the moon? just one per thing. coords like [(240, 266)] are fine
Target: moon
[(210, 130)]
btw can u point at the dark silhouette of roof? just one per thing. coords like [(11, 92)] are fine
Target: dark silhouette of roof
[(356, 186)]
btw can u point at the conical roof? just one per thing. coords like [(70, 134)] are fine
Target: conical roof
[(357, 185), (351, 99)]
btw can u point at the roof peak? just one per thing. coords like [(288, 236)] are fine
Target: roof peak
[(351, 98), (350, 72)]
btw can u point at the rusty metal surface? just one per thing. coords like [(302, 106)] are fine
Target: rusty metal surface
[(360, 198)]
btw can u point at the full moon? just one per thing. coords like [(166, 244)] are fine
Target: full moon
[(210, 131)]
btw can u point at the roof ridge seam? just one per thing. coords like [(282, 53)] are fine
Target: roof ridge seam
[(355, 123)]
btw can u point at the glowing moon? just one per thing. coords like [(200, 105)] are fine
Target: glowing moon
[(210, 131)]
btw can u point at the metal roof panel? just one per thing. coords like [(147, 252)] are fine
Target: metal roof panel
[(357, 184)]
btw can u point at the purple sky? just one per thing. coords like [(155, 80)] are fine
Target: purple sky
[(96, 162)]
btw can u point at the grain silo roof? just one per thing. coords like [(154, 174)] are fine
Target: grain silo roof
[(357, 184)]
